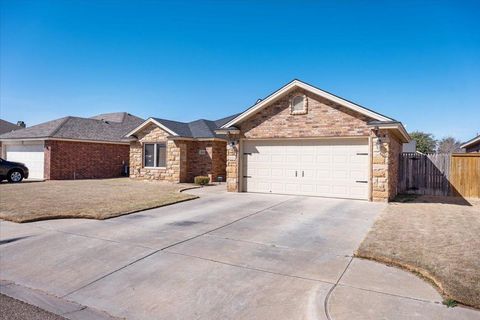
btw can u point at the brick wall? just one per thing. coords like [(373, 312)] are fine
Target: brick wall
[(184, 160), (324, 119), (84, 160), (206, 158)]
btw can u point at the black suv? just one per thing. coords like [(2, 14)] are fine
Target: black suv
[(12, 171)]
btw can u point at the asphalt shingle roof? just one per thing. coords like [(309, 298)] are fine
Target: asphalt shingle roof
[(105, 127), (195, 129), (6, 126)]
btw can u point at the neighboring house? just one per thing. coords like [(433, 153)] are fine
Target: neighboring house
[(472, 145), (410, 147), (73, 147), (298, 140), (6, 126), (178, 151)]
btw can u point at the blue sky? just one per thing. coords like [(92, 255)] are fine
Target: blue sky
[(415, 61)]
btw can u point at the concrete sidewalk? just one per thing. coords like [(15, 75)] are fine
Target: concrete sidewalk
[(223, 256)]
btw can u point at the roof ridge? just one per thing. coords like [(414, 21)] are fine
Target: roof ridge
[(60, 125)]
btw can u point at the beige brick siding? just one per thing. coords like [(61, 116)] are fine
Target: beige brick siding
[(184, 160), (324, 119)]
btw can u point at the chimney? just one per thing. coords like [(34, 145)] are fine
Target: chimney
[(21, 124)]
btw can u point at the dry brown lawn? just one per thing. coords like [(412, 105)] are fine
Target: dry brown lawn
[(95, 199), (436, 237)]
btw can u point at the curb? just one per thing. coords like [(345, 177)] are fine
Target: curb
[(65, 308)]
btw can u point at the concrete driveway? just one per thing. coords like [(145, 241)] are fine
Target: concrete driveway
[(223, 256)]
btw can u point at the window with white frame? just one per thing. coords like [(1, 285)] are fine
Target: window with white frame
[(298, 104), (154, 155)]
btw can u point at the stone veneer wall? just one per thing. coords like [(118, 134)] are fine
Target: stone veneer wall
[(232, 167), (385, 157), (184, 162), (176, 169)]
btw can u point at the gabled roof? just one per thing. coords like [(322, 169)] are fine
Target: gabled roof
[(471, 142), (262, 103), (201, 128), (6, 126), (109, 127)]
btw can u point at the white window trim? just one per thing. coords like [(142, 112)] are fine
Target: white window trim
[(305, 105), (154, 155)]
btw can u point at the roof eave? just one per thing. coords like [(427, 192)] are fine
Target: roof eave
[(227, 131), (392, 125), (147, 122), (297, 83), (64, 139), (470, 142)]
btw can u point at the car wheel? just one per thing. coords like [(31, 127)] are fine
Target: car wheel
[(15, 176)]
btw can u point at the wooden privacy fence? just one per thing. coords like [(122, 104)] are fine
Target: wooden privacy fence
[(439, 174), (465, 175), (424, 174)]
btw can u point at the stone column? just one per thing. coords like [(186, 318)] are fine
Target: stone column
[(175, 149), (233, 154), (381, 142)]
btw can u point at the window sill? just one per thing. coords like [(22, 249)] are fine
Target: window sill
[(298, 112), (155, 167)]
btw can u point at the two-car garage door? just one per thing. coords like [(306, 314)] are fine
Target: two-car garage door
[(327, 167)]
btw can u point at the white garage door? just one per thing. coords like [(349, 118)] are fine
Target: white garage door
[(330, 168), (31, 155)]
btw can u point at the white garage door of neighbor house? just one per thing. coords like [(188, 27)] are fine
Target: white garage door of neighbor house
[(330, 168), (31, 155)]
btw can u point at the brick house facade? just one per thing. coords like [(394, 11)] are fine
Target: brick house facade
[(186, 157), (67, 160), (325, 116), (73, 147)]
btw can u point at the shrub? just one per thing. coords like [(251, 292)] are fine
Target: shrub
[(202, 180)]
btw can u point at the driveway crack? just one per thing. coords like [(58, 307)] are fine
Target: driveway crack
[(248, 268), (327, 298), (174, 244)]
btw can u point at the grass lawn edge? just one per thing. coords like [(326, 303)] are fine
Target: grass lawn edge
[(417, 271), (115, 215)]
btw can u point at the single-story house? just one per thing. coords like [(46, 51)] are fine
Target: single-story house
[(472, 145), (73, 147), (178, 151), (299, 140), (6, 126)]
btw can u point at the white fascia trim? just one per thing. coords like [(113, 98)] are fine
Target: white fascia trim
[(20, 140), (195, 139), (147, 122), (397, 126), (226, 131), (303, 85), (466, 144)]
